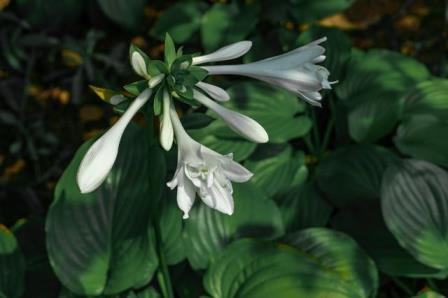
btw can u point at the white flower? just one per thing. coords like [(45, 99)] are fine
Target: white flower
[(203, 171), (241, 124), (139, 65), (100, 157), (295, 71), (229, 52)]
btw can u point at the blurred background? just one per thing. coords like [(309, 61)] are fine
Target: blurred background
[(52, 50)]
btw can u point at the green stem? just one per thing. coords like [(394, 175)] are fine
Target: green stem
[(403, 286), (163, 275)]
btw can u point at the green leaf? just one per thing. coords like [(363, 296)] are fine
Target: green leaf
[(279, 172), (170, 50), (414, 197), (12, 265), (372, 88), (429, 294), (208, 231), (422, 133), (198, 72), (137, 87), (303, 207), (126, 13), (353, 173), (181, 21), (278, 111), (171, 225), (305, 11), (100, 242), (158, 100), (317, 263), (363, 221), (217, 136), (227, 23)]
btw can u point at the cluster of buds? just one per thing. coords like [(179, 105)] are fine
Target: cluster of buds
[(201, 170)]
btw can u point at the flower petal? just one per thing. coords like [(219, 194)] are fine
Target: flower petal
[(154, 81), (100, 157), (218, 197), (139, 65), (228, 52), (241, 124), (214, 92), (186, 194), (166, 126)]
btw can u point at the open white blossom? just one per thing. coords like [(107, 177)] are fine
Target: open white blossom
[(100, 158), (205, 172), (295, 71)]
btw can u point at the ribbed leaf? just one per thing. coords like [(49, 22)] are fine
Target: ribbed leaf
[(207, 231), (372, 88), (415, 206), (99, 242), (353, 173), (12, 265), (317, 263)]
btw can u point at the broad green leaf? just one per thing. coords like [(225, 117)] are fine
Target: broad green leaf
[(303, 207), (148, 292), (429, 294), (278, 111), (363, 221), (278, 173), (12, 265), (126, 13), (100, 242), (223, 24), (219, 137), (353, 173), (180, 20), (317, 263), (305, 11), (208, 231), (171, 226), (414, 198), (372, 88), (422, 133)]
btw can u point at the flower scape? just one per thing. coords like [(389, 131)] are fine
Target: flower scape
[(201, 170)]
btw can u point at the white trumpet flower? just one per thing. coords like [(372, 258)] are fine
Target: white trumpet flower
[(100, 158), (205, 172), (241, 124), (295, 71)]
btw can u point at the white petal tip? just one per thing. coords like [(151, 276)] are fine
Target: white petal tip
[(185, 216)]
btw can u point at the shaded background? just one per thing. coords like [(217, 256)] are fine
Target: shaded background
[(52, 50)]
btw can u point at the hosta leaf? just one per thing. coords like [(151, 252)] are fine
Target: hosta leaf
[(224, 24), (278, 111), (207, 231), (171, 227), (353, 173), (364, 222), (303, 207), (219, 137), (127, 13), (372, 88), (12, 265), (414, 198), (317, 263), (99, 242), (181, 21), (422, 133), (279, 172)]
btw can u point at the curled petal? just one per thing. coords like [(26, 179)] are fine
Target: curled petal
[(186, 194), (100, 157), (218, 197), (139, 65), (241, 124), (228, 52), (214, 92), (166, 126)]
